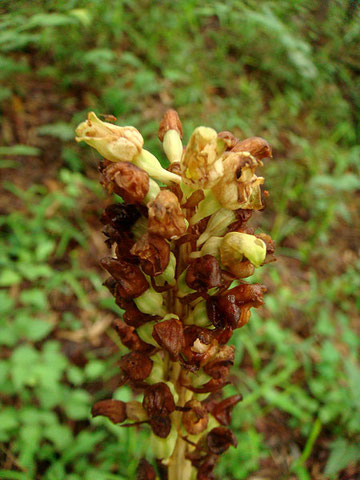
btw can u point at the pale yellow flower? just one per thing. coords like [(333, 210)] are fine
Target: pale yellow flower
[(115, 143)]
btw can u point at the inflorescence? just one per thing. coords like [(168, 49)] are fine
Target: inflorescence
[(180, 251)]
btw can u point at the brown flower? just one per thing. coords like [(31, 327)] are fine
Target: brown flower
[(204, 273), (222, 410), (158, 400), (219, 439), (145, 471), (154, 253), (196, 419), (136, 365), (169, 334), (165, 216), (115, 410), (256, 146), (130, 338), (126, 180), (120, 216), (130, 281)]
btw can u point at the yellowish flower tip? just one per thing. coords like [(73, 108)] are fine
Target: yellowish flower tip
[(113, 142), (236, 245), (201, 163)]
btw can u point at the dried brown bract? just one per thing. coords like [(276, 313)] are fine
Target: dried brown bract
[(169, 334), (136, 365), (204, 273)]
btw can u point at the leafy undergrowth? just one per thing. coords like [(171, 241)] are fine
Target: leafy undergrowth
[(285, 71)]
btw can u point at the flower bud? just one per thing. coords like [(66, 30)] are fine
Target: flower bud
[(196, 419), (239, 187), (145, 333), (152, 166), (139, 228), (117, 144), (173, 146), (114, 410), (150, 302), (165, 216), (217, 225), (235, 245), (157, 372), (201, 164)]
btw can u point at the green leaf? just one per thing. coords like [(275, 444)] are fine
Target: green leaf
[(59, 435), (49, 20), (22, 150), (60, 130), (342, 454), (9, 277), (34, 297)]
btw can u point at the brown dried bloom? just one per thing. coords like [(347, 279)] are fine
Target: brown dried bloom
[(175, 252), (153, 252), (126, 180), (165, 216), (115, 410)]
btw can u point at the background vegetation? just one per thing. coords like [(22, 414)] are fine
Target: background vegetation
[(284, 70)]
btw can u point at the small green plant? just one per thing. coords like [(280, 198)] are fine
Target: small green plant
[(181, 253)]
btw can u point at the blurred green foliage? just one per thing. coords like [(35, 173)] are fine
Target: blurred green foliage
[(285, 70)]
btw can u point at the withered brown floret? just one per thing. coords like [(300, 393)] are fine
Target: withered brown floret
[(256, 146), (145, 471), (114, 410), (130, 338), (170, 121), (127, 180), (196, 419), (161, 426), (204, 273), (222, 410), (120, 216), (229, 139), (130, 281), (169, 334), (136, 365), (158, 400), (219, 439), (165, 216), (153, 252), (232, 307)]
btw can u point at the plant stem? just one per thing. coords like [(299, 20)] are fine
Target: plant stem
[(179, 467)]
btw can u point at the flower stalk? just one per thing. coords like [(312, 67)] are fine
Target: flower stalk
[(179, 257)]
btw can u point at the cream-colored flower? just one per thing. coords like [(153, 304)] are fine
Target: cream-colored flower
[(201, 165), (117, 144), (236, 245), (239, 187)]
